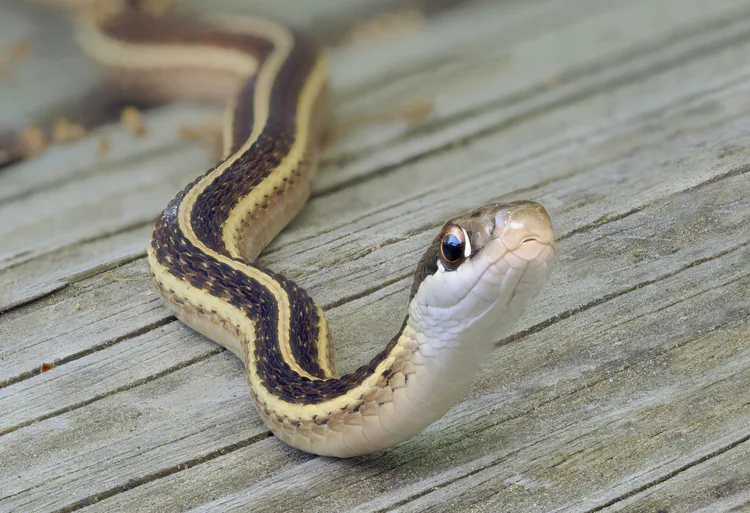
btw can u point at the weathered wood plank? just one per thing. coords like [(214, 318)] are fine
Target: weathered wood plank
[(487, 84), (85, 454), (629, 379), (126, 365), (52, 272), (111, 307)]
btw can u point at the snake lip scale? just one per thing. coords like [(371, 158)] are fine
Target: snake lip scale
[(473, 280)]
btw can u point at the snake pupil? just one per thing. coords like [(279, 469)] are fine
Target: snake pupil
[(452, 248)]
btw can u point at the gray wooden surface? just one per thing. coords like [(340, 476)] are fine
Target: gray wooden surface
[(625, 388)]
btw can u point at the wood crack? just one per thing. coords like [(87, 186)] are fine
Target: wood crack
[(77, 356), (366, 292), (217, 350), (135, 482), (670, 475), (609, 218)]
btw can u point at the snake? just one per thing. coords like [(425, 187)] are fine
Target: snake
[(472, 282)]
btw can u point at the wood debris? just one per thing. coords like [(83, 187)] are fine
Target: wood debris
[(207, 134), (132, 119), (386, 25), (35, 140), (104, 145), (64, 131)]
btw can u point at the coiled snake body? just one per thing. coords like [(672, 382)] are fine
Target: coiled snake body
[(475, 277)]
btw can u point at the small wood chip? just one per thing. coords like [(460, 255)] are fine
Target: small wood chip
[(110, 276), (104, 145), (417, 112), (35, 140), (64, 131), (156, 8), (189, 133), (47, 367), (207, 134), (132, 119), (386, 25), (20, 50)]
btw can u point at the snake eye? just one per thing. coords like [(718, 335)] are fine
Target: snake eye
[(452, 246)]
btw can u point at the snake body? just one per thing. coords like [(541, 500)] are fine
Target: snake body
[(475, 277)]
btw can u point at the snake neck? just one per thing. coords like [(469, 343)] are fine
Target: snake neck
[(407, 387)]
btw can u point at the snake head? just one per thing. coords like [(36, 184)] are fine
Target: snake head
[(482, 269)]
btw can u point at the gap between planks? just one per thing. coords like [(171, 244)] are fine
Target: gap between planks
[(670, 475)]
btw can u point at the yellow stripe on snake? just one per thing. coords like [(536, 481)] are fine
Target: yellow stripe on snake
[(475, 278)]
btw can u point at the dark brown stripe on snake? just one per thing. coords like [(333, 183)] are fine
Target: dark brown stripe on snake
[(283, 102), (201, 270), (215, 203), (242, 117)]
